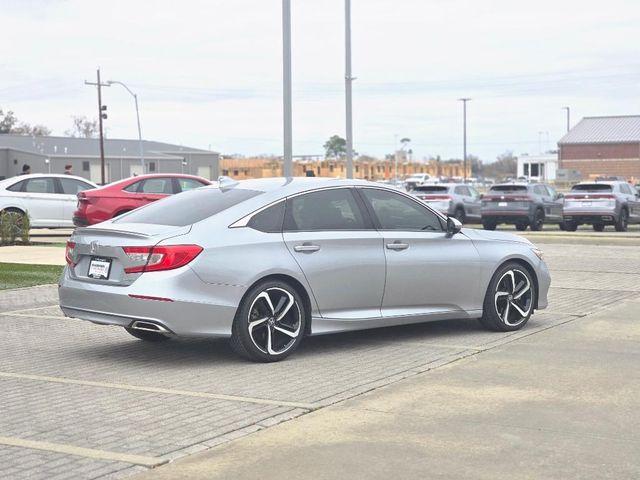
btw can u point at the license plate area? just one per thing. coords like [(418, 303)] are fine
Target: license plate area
[(99, 268), (586, 204), (502, 204)]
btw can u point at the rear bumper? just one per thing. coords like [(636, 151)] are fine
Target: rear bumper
[(544, 282), (507, 216), (591, 216), (196, 308)]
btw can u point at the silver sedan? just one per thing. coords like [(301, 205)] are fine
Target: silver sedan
[(267, 262)]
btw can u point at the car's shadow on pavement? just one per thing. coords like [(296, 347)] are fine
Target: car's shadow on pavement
[(186, 352)]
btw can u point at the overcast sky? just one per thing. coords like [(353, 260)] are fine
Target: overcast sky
[(209, 73)]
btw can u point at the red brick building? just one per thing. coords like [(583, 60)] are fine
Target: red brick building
[(603, 146)]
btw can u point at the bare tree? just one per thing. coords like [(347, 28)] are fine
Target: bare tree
[(83, 128)]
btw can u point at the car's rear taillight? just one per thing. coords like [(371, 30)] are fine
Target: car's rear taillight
[(154, 259), (438, 197), (590, 196), (82, 198), (68, 253)]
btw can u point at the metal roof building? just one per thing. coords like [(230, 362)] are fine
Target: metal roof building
[(122, 157), (603, 146)]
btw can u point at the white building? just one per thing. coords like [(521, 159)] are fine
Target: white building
[(541, 168)]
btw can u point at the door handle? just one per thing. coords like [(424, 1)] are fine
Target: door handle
[(397, 246), (307, 248)]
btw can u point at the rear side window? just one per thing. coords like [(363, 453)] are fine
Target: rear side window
[(592, 187), (269, 220), (160, 186), (508, 188), (334, 209), (431, 189), (71, 186), (133, 188), (189, 207)]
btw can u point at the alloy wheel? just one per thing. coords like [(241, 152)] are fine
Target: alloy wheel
[(275, 321), (513, 297)]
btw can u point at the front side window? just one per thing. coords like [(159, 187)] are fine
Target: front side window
[(189, 184), (40, 185), (396, 212), (540, 190), (334, 209)]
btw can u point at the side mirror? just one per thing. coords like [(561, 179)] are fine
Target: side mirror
[(481, 196), (453, 226), (560, 195)]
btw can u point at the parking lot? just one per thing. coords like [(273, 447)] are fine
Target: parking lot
[(87, 401)]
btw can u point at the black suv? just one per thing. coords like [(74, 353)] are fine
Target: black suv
[(521, 204)]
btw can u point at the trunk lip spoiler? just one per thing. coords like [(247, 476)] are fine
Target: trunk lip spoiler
[(89, 231)]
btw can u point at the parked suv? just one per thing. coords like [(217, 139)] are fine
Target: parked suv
[(452, 199), (521, 204), (601, 203)]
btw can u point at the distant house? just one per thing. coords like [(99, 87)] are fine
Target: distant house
[(603, 146), (541, 168), (122, 157)]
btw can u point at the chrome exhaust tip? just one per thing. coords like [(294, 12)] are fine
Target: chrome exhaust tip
[(149, 327)]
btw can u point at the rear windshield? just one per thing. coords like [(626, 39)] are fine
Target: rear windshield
[(189, 207), (431, 189), (592, 187), (508, 188)]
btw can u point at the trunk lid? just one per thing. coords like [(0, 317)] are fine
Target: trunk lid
[(98, 255)]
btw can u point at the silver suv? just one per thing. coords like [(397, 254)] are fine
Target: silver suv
[(452, 199), (600, 204), (521, 204)]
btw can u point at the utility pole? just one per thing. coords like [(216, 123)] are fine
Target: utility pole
[(347, 84), (286, 87), (464, 134), (568, 109), (101, 115)]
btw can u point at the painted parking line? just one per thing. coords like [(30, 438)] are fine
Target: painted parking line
[(142, 460), (26, 315), (24, 310), (166, 391)]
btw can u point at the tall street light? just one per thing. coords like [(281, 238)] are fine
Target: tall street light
[(464, 134), (286, 88), (348, 79), (568, 109), (135, 98)]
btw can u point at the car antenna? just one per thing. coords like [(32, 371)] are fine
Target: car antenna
[(226, 183)]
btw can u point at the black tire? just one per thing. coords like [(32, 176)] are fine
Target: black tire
[(561, 226), (538, 221), (460, 215), (147, 336), (622, 223), (522, 226), (489, 224), (266, 341), (500, 293), (15, 211), (570, 226), (598, 227)]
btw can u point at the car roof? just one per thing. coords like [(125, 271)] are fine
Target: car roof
[(601, 182), (442, 184), (41, 175), (292, 185), (515, 184)]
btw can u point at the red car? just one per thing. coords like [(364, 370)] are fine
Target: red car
[(104, 203)]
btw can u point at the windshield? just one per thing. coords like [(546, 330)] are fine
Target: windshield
[(431, 189), (189, 207), (592, 187), (508, 188)]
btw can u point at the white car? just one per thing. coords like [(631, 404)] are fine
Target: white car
[(49, 199), (417, 179)]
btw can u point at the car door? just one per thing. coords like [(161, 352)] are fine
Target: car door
[(632, 202), (333, 241), (555, 203), (42, 202), (69, 188), (428, 272), (474, 203)]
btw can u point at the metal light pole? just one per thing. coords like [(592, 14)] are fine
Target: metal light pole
[(568, 109), (464, 134), (347, 84), (286, 88), (135, 98)]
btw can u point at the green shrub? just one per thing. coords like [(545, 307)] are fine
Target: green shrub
[(13, 225)]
